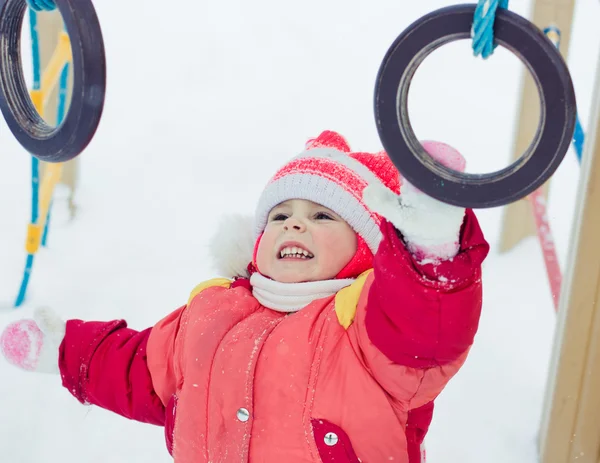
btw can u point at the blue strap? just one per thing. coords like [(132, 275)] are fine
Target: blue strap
[(35, 163), (578, 139), (482, 31), (35, 183), (41, 5)]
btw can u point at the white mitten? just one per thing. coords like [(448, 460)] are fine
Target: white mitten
[(430, 227), (33, 344)]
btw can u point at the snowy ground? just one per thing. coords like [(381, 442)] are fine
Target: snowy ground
[(205, 100)]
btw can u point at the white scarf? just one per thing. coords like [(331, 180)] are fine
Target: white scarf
[(291, 297)]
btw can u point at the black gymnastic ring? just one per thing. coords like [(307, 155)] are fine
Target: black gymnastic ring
[(70, 138), (555, 129)]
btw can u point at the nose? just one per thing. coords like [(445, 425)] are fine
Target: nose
[(292, 223)]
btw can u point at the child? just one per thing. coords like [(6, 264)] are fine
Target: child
[(356, 301)]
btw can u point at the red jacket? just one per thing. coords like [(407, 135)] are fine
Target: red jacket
[(105, 363)]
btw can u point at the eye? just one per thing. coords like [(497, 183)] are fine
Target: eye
[(323, 216), (278, 217)]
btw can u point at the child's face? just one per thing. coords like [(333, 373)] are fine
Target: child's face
[(304, 241)]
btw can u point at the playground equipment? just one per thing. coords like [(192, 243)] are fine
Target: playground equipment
[(67, 140), (538, 199), (540, 159), (570, 425), (528, 217), (518, 221), (57, 119), (570, 428), (51, 94)]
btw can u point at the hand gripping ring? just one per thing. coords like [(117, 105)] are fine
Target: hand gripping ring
[(542, 157), (69, 139)]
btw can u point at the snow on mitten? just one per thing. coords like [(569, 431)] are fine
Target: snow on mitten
[(430, 227), (33, 344)]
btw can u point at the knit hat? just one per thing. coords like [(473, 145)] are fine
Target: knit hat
[(328, 173)]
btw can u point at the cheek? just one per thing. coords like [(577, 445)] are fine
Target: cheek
[(264, 253), (338, 247)]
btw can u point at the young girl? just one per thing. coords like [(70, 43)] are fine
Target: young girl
[(356, 301)]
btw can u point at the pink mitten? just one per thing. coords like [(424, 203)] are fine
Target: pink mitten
[(430, 227), (33, 344)]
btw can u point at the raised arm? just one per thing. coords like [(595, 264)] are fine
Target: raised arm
[(422, 313), (425, 301)]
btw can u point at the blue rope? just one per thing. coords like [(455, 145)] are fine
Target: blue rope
[(25, 282), (46, 227), (35, 167), (482, 31), (36, 84), (35, 183), (62, 94), (35, 50), (35, 188), (41, 5), (578, 138)]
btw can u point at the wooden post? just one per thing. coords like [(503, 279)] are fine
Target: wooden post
[(570, 428), (50, 25), (518, 222)]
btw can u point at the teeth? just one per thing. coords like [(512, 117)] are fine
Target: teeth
[(295, 252)]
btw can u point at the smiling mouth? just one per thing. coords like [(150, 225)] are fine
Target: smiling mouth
[(294, 252)]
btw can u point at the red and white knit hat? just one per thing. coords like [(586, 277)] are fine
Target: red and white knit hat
[(328, 173)]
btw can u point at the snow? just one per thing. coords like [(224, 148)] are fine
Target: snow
[(204, 102)]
